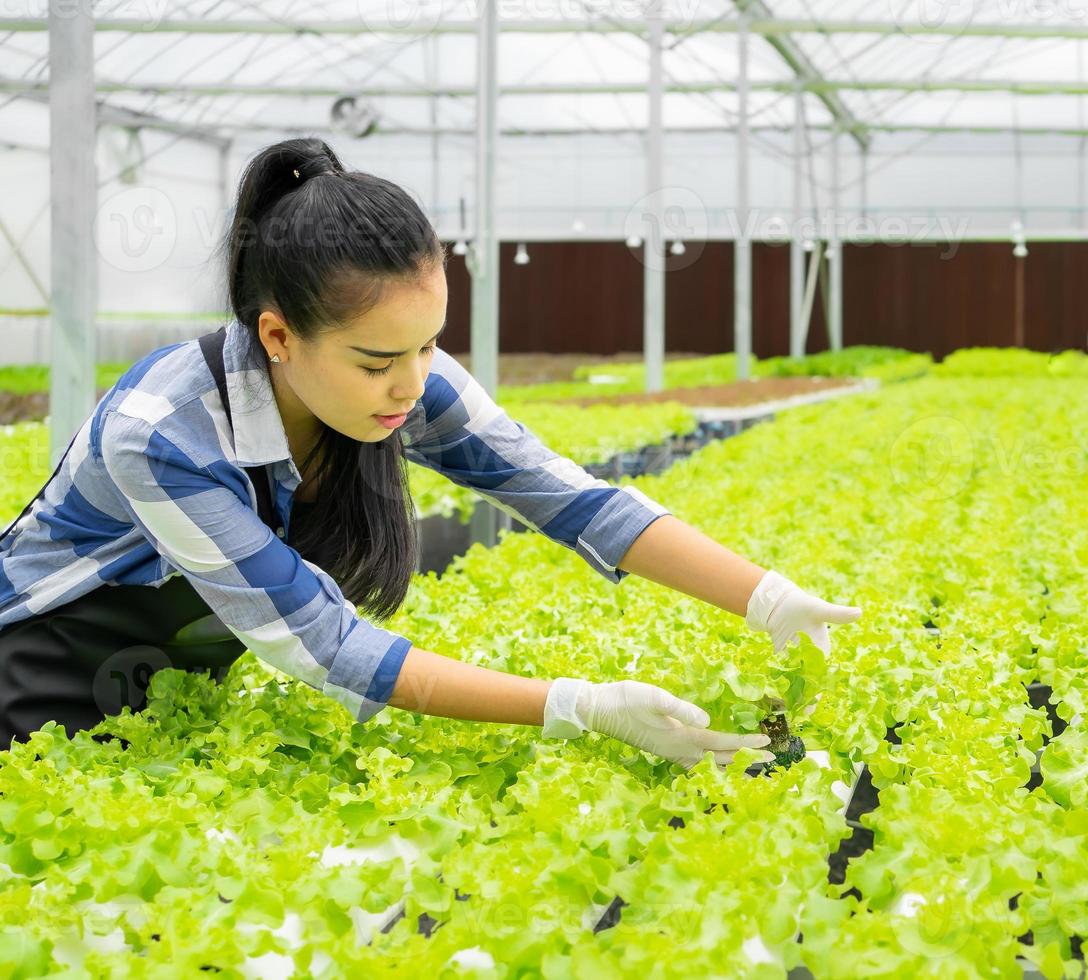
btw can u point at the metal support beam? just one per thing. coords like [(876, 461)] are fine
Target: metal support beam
[(467, 133), (119, 116), (767, 27), (653, 255), (742, 248), (863, 183), (794, 56), (224, 182), (21, 258), (834, 252), (436, 173), (73, 190), (797, 251), (810, 290), (819, 86), (484, 250)]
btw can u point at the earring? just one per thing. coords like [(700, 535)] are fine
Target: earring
[(275, 358)]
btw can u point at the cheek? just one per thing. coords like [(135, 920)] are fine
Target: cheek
[(345, 393)]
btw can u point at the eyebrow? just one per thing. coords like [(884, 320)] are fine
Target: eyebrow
[(394, 353)]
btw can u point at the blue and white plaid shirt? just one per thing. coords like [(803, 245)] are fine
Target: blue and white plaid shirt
[(153, 487)]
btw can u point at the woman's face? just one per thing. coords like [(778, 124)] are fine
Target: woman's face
[(346, 378)]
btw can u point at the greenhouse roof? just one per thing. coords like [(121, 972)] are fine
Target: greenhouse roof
[(216, 68)]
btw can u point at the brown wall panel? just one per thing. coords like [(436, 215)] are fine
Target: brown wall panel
[(698, 300), (586, 297), (929, 297), (1055, 311)]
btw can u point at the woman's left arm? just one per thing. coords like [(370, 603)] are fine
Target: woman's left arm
[(677, 555)]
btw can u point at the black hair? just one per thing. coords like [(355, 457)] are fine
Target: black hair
[(317, 244)]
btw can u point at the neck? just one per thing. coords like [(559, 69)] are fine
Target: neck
[(300, 425)]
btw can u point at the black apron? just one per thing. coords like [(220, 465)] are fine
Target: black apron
[(89, 658)]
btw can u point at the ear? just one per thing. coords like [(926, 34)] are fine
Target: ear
[(276, 337)]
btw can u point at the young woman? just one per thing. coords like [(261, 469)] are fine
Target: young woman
[(248, 490)]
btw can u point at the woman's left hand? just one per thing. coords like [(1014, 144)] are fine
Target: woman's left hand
[(784, 610)]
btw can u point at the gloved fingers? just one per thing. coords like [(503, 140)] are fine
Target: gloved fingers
[(669, 704), (727, 741), (724, 758), (819, 635), (783, 639), (831, 613)]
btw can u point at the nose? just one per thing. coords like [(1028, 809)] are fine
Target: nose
[(411, 389)]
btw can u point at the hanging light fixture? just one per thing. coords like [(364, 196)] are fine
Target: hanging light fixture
[(522, 256), (579, 226), (460, 248), (678, 248), (633, 241), (1019, 245)]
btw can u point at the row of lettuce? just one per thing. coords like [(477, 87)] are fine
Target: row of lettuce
[(587, 435), (248, 827), (606, 377)]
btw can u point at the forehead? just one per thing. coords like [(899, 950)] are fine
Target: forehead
[(404, 305), (408, 315)]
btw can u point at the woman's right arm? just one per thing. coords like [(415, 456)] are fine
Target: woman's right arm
[(640, 714), (433, 684)]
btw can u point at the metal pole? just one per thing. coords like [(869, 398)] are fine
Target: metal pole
[(1019, 333), (653, 271), (484, 252), (797, 251), (73, 188), (863, 182), (433, 80), (224, 179), (834, 252), (1082, 217), (810, 286), (742, 251)]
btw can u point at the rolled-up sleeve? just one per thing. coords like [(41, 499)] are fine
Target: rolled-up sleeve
[(290, 613), (459, 431)]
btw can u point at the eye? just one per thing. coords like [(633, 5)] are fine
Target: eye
[(374, 372)]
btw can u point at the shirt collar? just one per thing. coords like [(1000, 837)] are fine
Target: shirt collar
[(259, 436)]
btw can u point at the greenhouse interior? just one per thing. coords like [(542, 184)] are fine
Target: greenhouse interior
[(772, 303)]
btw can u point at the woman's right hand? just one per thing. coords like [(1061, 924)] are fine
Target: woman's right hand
[(643, 715)]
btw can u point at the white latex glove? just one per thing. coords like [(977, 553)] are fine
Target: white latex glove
[(784, 610), (642, 715)]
